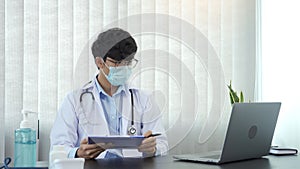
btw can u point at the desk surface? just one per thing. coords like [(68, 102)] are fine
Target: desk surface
[(167, 162)]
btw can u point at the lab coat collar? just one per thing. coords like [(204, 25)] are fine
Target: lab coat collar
[(88, 85)]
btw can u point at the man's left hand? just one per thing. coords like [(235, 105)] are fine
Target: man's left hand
[(148, 145)]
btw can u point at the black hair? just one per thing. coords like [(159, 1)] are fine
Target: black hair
[(116, 44)]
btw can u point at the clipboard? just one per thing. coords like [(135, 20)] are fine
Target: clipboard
[(113, 142)]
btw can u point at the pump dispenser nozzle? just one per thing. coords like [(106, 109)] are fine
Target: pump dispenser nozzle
[(25, 123)]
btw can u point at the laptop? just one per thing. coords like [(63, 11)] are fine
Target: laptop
[(249, 134)]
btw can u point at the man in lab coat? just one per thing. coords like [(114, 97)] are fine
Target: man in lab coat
[(104, 105)]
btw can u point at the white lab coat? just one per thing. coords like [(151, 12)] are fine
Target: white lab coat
[(75, 122)]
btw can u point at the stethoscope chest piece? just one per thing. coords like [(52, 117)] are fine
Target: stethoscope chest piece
[(131, 130)]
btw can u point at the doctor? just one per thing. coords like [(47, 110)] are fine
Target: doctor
[(108, 106)]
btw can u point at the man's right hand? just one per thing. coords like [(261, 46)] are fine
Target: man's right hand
[(88, 151)]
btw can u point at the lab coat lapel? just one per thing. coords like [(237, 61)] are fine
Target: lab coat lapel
[(126, 114), (103, 128), (126, 111)]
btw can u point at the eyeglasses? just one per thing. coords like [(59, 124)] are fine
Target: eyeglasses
[(131, 63)]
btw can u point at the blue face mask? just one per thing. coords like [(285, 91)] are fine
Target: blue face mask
[(118, 75)]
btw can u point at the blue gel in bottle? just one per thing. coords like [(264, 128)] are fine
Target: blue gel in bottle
[(25, 144)]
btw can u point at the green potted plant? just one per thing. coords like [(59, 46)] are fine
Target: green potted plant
[(234, 98)]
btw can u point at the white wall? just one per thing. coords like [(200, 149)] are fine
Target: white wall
[(280, 61)]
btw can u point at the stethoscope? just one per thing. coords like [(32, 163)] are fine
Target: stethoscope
[(131, 129), (6, 162)]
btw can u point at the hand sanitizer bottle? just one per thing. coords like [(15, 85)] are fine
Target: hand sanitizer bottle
[(25, 144)]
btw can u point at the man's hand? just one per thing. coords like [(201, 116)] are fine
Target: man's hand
[(88, 151), (148, 145)]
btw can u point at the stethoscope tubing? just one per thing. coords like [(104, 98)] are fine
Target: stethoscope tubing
[(131, 130), (7, 160)]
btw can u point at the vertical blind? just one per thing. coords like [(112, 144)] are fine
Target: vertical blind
[(187, 50)]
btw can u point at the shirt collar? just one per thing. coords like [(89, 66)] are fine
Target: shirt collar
[(122, 88)]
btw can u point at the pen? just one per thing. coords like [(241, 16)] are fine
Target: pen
[(153, 135)]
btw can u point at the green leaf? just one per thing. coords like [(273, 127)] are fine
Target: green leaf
[(233, 95), (231, 98), (241, 97), (234, 98)]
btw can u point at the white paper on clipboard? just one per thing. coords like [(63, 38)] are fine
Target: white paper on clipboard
[(126, 142)]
